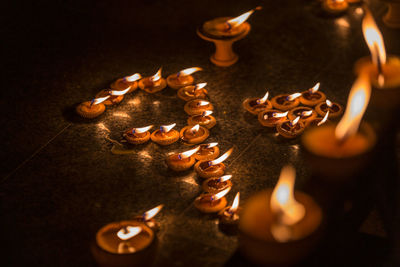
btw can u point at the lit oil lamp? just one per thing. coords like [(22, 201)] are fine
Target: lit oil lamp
[(115, 96), (392, 17), (335, 110), (213, 168), (192, 92), (181, 161), (340, 151), (204, 119), (154, 83), (223, 32), (286, 102), (182, 78), (306, 114), (214, 185), (291, 128), (148, 218), (319, 121), (312, 96), (383, 71), (92, 109), (138, 135), (228, 218), (197, 106), (272, 117), (207, 152), (125, 243), (256, 105), (127, 82), (165, 135), (211, 203), (194, 134), (335, 6), (283, 222)]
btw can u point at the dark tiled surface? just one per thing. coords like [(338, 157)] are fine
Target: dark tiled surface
[(60, 180)]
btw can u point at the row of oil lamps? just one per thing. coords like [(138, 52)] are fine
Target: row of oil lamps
[(280, 225)]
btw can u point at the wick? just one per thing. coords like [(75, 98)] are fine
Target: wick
[(179, 157), (379, 62), (133, 131), (219, 180), (229, 26), (178, 74), (162, 129), (91, 102)]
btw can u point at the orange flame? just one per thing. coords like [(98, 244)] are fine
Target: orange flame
[(167, 128), (188, 153), (188, 71), (99, 100), (224, 178), (324, 119), (156, 76), (200, 86), (328, 103), (202, 103), (356, 105), (210, 145), (235, 22), (235, 204), (293, 96), (282, 198), (221, 194), (133, 77), (153, 212), (128, 232), (195, 128), (314, 89), (262, 100), (222, 158), (280, 114), (143, 129), (112, 92), (295, 121), (306, 113), (374, 39), (207, 113)]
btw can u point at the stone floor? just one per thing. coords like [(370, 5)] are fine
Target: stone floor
[(60, 181)]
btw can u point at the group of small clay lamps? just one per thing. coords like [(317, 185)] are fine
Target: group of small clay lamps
[(289, 118)]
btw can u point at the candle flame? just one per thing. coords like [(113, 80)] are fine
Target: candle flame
[(280, 114), (195, 128), (113, 92), (306, 113), (202, 103), (200, 86), (224, 178), (142, 130), (293, 96), (324, 119), (188, 71), (207, 113), (314, 89), (356, 105), (156, 76), (282, 198), (262, 100), (295, 121), (210, 145), (328, 103), (235, 204), (188, 153), (99, 100), (133, 77), (235, 22), (128, 232), (221, 158), (153, 212), (374, 39), (221, 194), (167, 128)]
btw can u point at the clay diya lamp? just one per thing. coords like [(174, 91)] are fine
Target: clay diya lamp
[(182, 78), (205, 119), (338, 152), (256, 105), (272, 117), (335, 7), (138, 135), (115, 96), (214, 185), (197, 106), (312, 96), (291, 129), (148, 218), (228, 218), (207, 152), (211, 203), (154, 83), (192, 92), (92, 109), (306, 114), (213, 168), (286, 102), (126, 82), (181, 161), (125, 243), (194, 134), (223, 32), (279, 227), (335, 110), (165, 135), (392, 17)]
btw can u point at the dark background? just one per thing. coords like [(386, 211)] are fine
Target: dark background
[(60, 182)]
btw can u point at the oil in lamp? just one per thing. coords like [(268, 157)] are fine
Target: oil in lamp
[(192, 92), (335, 110), (181, 161), (207, 152), (216, 184), (182, 78), (211, 203), (115, 96), (126, 82), (312, 96), (392, 17), (165, 135), (223, 32), (335, 7), (204, 119), (228, 218), (291, 128), (92, 109), (286, 102), (148, 218), (306, 114), (138, 135), (197, 106), (194, 134), (279, 226), (213, 168), (272, 117), (256, 105), (154, 83)]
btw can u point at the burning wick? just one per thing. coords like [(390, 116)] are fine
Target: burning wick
[(96, 101), (188, 71), (292, 96), (314, 89), (262, 100), (279, 114), (235, 22), (210, 203), (221, 159), (294, 122), (216, 184), (165, 135), (127, 232), (182, 161), (324, 119), (213, 168), (167, 128)]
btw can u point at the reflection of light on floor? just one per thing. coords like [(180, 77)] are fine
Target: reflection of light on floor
[(359, 11), (156, 103), (295, 149), (145, 154), (342, 22), (135, 101), (189, 179), (121, 114), (101, 126)]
